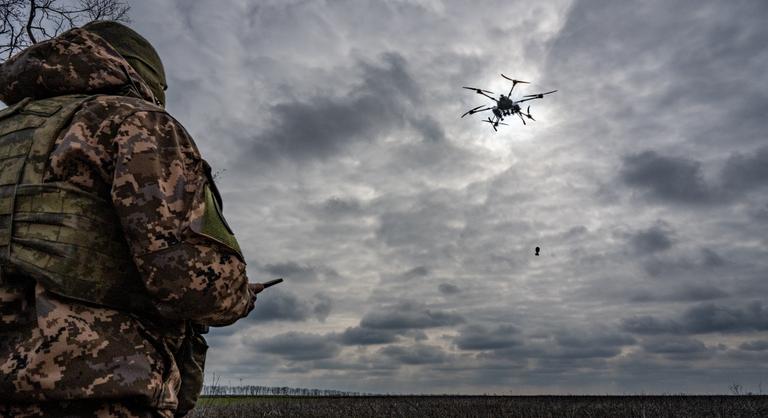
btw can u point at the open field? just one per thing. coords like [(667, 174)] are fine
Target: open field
[(485, 406)]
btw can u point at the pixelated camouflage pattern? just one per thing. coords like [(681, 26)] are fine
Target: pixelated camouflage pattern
[(69, 240), (130, 152), (57, 67)]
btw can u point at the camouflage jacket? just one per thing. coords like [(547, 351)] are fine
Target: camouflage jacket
[(122, 147)]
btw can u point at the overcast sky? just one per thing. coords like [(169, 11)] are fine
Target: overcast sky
[(406, 234)]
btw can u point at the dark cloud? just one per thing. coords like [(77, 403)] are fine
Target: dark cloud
[(586, 344), (290, 269), (478, 337), (321, 126), (674, 345), (280, 305), (711, 259), (672, 179), (576, 231), (761, 213), (729, 61), (448, 289), (680, 264), (416, 335), (654, 239), (402, 319), (322, 306), (686, 293), (408, 315), (667, 267), (681, 180), (703, 318), (755, 345), (367, 336), (746, 172), (593, 338), (430, 129), (286, 306), (695, 293), (646, 324), (555, 357), (718, 318), (411, 228), (414, 273), (563, 349), (294, 271), (299, 346), (415, 354), (585, 352)]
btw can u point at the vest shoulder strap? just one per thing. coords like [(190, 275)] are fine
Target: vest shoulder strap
[(58, 112)]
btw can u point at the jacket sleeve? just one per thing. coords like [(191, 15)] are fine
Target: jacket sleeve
[(161, 191)]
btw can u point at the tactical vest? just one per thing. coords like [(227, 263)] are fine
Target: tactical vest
[(69, 240)]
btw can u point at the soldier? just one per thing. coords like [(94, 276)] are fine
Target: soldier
[(114, 255)]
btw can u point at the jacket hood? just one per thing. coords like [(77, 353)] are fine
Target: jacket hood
[(76, 62)]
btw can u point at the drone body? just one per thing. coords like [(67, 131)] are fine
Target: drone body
[(505, 106)]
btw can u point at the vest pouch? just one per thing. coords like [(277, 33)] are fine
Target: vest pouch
[(191, 360), (67, 239)]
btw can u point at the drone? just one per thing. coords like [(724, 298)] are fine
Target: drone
[(505, 106)]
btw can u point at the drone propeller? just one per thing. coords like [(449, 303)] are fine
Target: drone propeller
[(515, 81), (475, 110), (477, 90), (539, 95), (528, 114), (493, 124)]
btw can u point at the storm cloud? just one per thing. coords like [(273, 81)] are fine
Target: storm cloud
[(477, 337), (675, 179), (409, 315), (367, 336), (654, 239), (703, 318), (298, 346), (282, 305)]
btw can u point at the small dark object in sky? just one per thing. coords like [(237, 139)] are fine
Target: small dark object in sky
[(505, 106), (537, 251)]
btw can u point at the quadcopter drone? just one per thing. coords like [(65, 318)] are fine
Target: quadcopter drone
[(505, 106)]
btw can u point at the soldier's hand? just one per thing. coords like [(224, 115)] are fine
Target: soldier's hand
[(256, 287)]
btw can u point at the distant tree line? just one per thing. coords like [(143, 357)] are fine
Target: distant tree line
[(250, 390)]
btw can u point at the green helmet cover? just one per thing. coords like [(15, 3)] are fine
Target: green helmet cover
[(136, 50)]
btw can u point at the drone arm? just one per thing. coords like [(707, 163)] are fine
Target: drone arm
[(490, 97), (530, 98), (514, 83), (475, 110)]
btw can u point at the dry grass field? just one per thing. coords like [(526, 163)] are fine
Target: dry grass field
[(485, 406)]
